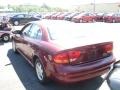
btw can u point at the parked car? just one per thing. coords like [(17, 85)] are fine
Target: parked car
[(99, 17), (21, 19), (60, 56), (54, 16), (37, 15), (69, 17), (5, 31), (61, 17), (112, 17), (84, 17), (48, 16)]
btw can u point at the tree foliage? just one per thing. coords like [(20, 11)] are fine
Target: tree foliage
[(34, 8)]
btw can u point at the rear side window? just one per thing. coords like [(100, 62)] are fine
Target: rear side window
[(20, 16), (39, 35), (35, 32)]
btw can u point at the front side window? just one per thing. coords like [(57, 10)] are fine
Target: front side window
[(35, 32), (28, 16), (26, 30)]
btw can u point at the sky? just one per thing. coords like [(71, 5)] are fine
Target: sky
[(54, 3)]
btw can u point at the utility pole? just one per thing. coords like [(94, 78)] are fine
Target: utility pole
[(119, 8), (94, 6)]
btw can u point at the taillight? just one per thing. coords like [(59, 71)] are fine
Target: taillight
[(66, 57), (108, 48), (61, 58), (73, 55)]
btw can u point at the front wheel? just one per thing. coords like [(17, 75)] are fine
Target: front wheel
[(40, 72), (6, 37)]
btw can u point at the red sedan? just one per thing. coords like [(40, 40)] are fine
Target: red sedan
[(61, 17), (54, 17), (48, 16), (58, 51), (84, 17), (112, 18)]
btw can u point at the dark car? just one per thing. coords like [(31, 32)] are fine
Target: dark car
[(69, 17), (21, 19), (60, 56)]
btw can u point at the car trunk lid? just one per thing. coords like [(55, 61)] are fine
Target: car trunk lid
[(89, 50)]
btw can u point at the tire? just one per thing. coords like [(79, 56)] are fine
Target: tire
[(81, 21), (93, 20), (16, 23), (113, 21), (40, 72), (6, 37), (14, 46)]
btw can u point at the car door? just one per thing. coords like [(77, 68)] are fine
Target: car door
[(115, 17), (20, 18), (119, 17), (32, 18), (89, 17), (27, 18), (35, 37), (22, 39), (85, 17)]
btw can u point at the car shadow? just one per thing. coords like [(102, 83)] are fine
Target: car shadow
[(2, 42), (27, 75)]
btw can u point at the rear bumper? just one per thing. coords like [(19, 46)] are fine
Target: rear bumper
[(70, 74)]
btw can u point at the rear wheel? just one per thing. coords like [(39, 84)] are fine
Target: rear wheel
[(16, 23), (6, 37), (113, 20), (93, 20), (40, 72), (81, 20)]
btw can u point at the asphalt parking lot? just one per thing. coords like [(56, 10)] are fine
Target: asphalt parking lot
[(17, 74)]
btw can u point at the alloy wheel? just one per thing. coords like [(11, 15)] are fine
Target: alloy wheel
[(16, 23), (5, 38), (39, 71)]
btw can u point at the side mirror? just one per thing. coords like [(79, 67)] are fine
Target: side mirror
[(16, 32)]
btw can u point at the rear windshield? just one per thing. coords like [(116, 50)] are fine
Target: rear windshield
[(66, 31)]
